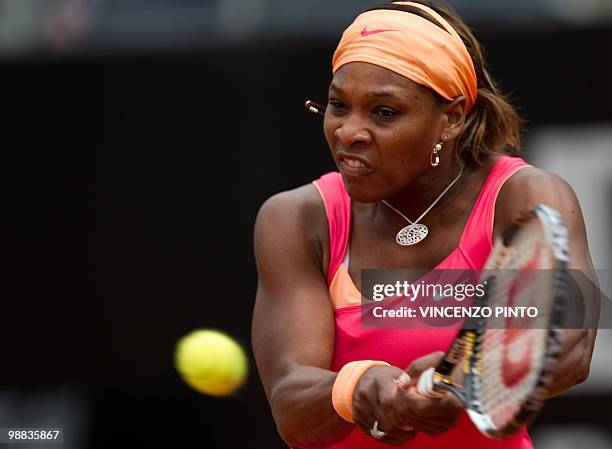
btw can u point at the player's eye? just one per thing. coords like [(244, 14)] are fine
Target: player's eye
[(337, 105), (385, 113)]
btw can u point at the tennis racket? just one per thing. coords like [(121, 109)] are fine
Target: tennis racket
[(508, 369)]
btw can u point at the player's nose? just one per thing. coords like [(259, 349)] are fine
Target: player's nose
[(353, 131)]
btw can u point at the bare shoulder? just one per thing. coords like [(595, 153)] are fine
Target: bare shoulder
[(301, 202), (532, 186), (293, 220)]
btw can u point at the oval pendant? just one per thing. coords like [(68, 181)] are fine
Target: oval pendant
[(411, 234)]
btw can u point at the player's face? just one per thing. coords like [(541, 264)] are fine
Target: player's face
[(381, 128)]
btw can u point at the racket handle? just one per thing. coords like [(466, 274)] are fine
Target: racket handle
[(425, 385), (429, 388)]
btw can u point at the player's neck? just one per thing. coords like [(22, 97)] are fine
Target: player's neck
[(419, 195)]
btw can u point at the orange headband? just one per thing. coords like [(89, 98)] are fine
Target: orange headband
[(411, 46)]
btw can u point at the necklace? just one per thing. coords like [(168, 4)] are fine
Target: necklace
[(415, 231)]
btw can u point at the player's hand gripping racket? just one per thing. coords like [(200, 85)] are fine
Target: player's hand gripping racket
[(508, 364)]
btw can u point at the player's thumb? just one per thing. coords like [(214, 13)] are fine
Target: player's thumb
[(422, 363)]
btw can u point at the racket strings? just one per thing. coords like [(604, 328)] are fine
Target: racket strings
[(510, 351), (508, 372)]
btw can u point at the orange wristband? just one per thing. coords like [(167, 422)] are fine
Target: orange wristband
[(344, 386)]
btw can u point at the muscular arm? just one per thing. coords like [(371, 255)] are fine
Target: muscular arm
[(293, 324), (526, 189)]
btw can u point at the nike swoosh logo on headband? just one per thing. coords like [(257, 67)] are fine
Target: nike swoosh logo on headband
[(365, 32)]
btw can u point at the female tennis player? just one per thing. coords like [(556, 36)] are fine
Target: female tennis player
[(428, 175)]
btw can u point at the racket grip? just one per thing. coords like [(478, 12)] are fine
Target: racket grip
[(425, 384)]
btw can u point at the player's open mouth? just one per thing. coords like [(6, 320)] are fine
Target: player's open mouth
[(354, 166), (354, 163)]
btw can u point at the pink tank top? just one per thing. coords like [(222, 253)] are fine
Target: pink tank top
[(400, 346)]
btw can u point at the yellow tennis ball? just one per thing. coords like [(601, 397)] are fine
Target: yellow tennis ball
[(211, 362)]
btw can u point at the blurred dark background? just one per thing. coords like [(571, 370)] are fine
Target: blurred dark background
[(139, 141)]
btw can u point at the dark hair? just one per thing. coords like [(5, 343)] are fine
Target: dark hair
[(493, 126)]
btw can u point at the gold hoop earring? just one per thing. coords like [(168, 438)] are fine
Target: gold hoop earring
[(434, 159)]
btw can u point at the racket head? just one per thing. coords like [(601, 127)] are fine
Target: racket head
[(511, 369)]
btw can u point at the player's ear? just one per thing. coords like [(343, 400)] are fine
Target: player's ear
[(453, 117)]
